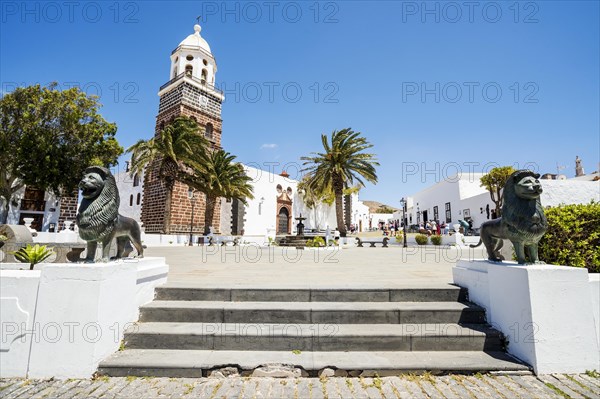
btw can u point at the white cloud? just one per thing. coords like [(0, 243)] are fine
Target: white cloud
[(268, 146)]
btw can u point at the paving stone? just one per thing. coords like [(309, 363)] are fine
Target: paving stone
[(25, 387), (289, 389), (342, 387), (204, 388), (112, 392), (480, 390), (48, 390), (387, 389), (457, 386), (99, 388), (399, 387), (413, 388), (35, 389), (590, 380), (549, 379), (430, 388), (225, 386), (249, 388), (65, 388), (568, 381), (331, 389), (303, 388), (371, 388), (357, 389), (510, 384), (500, 390), (590, 386), (535, 389), (263, 387), (316, 391), (280, 386)]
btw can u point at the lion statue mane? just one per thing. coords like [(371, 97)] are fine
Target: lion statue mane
[(523, 221), (98, 217)]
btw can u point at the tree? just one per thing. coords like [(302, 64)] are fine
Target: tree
[(312, 198), (385, 209), (216, 175), (172, 151), (47, 139), (342, 163), (494, 182)]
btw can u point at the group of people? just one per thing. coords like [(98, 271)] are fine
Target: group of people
[(434, 227)]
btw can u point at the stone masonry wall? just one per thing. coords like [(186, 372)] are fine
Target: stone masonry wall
[(154, 214), (68, 210)]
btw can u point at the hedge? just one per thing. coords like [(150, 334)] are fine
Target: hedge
[(573, 236)]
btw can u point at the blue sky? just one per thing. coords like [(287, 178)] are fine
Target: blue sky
[(434, 86)]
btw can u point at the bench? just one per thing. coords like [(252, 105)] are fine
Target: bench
[(224, 241), (383, 241)]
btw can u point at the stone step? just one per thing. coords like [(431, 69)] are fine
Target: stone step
[(196, 363), (182, 292), (312, 312), (313, 337)]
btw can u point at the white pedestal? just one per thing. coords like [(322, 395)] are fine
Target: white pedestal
[(548, 313), (78, 317)]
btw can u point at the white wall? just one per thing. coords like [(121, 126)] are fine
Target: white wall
[(52, 203), (465, 192), (549, 314), (63, 319), (127, 191)]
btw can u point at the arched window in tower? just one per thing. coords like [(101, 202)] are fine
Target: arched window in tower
[(204, 76), (136, 180), (131, 200), (188, 70), (139, 198), (209, 131)]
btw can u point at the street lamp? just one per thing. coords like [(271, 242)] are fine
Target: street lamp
[(193, 201), (403, 205)]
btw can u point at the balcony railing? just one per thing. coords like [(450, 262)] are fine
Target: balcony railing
[(199, 81)]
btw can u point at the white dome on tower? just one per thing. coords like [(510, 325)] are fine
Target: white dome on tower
[(195, 40)]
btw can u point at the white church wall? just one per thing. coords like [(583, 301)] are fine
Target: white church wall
[(131, 196)]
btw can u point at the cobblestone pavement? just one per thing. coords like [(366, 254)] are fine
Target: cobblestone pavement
[(405, 386)]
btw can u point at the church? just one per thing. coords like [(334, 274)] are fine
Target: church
[(191, 91)]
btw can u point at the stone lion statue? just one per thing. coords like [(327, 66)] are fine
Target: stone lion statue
[(523, 221), (98, 216)]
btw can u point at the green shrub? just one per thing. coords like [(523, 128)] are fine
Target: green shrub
[(33, 254), (421, 239), (318, 242), (332, 243), (573, 236), (436, 240)]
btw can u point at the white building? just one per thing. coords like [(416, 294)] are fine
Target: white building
[(462, 197), (273, 210), (131, 191), (43, 207)]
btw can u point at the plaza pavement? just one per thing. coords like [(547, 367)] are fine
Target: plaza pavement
[(281, 267), (558, 386), (254, 267)]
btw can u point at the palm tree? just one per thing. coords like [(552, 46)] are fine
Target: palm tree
[(341, 164), (216, 175), (171, 151)]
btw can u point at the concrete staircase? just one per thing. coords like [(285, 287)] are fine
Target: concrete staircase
[(189, 331)]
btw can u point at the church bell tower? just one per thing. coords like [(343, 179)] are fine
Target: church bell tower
[(190, 92)]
